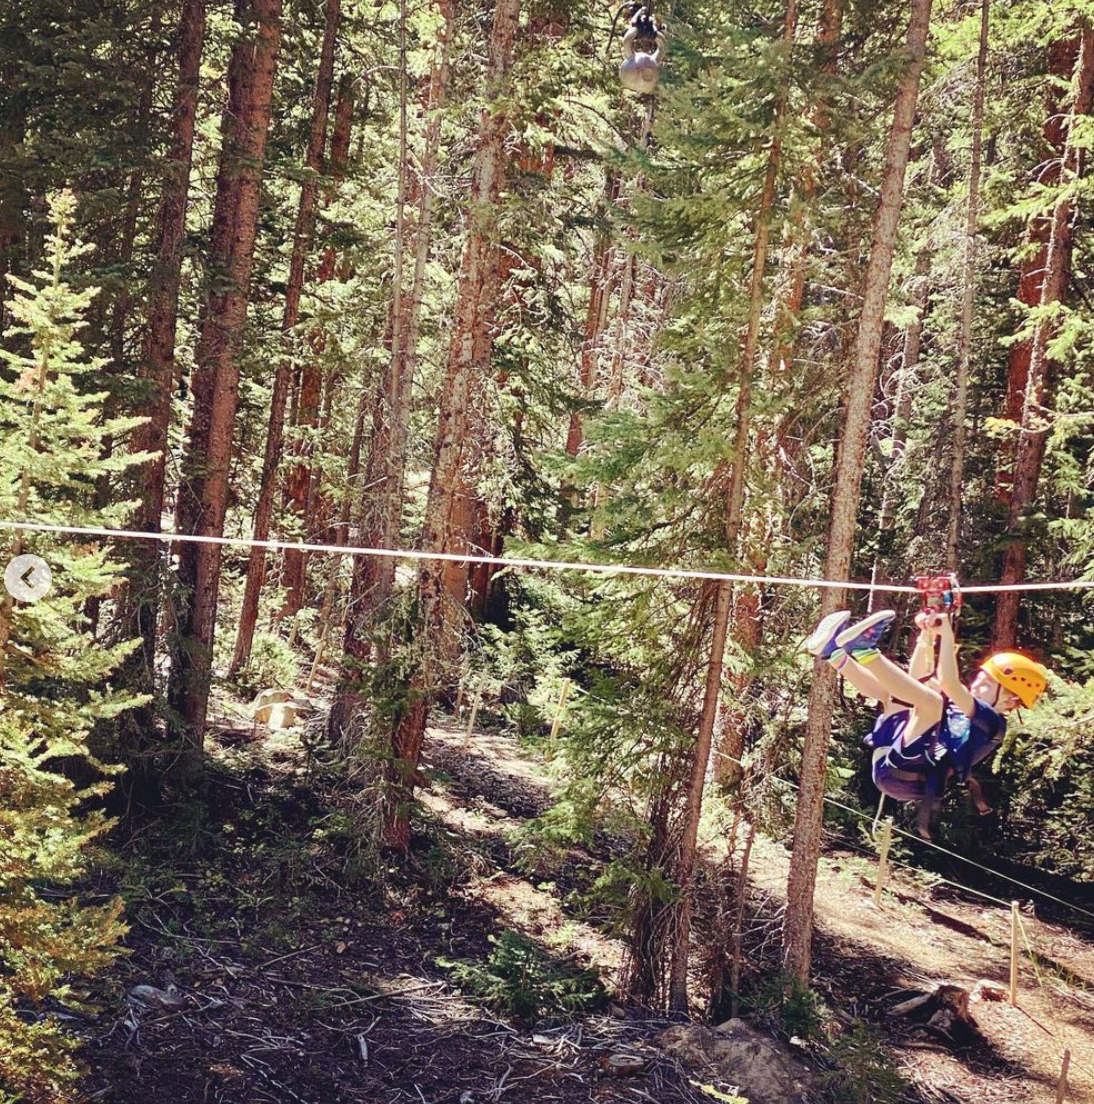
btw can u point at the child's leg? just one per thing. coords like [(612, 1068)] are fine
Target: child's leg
[(862, 679), (860, 642), (895, 682), (976, 795)]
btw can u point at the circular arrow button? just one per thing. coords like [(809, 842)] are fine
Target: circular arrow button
[(28, 578)]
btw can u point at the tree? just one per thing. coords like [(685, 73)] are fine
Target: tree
[(158, 366), (302, 245), (798, 923), (731, 484), (1062, 55), (203, 496), (1039, 383), (382, 507), (468, 362), (968, 296), (52, 674)]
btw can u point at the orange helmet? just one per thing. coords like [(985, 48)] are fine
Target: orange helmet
[(1019, 674)]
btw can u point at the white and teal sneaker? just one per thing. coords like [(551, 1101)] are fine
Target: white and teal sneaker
[(865, 635), (821, 642)]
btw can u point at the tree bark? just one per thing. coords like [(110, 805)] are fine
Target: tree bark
[(302, 243), (468, 363), (596, 319), (1039, 386), (1062, 57), (158, 368), (678, 983), (902, 411), (828, 36), (964, 340), (203, 495), (798, 925)]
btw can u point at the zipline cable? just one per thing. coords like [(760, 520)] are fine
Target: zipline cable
[(500, 561), (447, 557)]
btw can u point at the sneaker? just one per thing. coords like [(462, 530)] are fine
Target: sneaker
[(822, 641), (867, 633)]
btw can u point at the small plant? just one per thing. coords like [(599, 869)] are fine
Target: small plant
[(523, 981), (789, 1006), (865, 1074)]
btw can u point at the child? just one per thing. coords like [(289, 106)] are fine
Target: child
[(928, 730)]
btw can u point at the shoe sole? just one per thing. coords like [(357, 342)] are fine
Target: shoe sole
[(859, 627), (820, 636)]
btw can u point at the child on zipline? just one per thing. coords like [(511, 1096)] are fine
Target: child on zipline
[(930, 728)]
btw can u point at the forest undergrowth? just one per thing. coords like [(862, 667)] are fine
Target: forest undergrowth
[(309, 969)]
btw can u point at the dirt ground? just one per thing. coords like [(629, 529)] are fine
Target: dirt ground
[(302, 982)]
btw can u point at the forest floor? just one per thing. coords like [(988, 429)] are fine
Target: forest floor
[(307, 974)]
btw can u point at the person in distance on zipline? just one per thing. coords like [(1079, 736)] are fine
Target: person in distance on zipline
[(931, 728)]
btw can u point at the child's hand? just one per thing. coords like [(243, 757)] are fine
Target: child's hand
[(928, 622)]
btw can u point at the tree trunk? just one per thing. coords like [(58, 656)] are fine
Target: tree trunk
[(1062, 57), (158, 362), (798, 926), (902, 411), (122, 246), (320, 506), (596, 319), (678, 985), (468, 363), (828, 36), (382, 498), (302, 242), (964, 340), (1039, 386), (203, 495)]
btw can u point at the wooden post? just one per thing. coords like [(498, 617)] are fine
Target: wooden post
[(1061, 1087), (1014, 953), (883, 858), (473, 718), (877, 816), (556, 724), (321, 648)]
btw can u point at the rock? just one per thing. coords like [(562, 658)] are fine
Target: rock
[(989, 991), (277, 709), (622, 1065), (282, 715), (765, 1070), (269, 697), (148, 996)]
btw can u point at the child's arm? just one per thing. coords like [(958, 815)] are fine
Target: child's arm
[(922, 662), (949, 679)]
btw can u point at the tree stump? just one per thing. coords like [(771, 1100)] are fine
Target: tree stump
[(944, 1011)]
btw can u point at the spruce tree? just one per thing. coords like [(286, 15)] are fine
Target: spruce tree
[(53, 692)]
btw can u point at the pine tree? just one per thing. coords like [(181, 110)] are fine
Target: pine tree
[(798, 928), (51, 460)]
